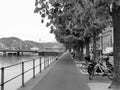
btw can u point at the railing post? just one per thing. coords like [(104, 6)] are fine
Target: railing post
[(52, 59), (44, 62), (2, 78), (33, 68), (40, 65), (23, 74), (48, 61)]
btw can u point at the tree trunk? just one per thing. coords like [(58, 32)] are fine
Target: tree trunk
[(87, 49), (78, 49), (94, 46), (81, 52), (78, 52), (116, 33), (67, 46), (87, 41)]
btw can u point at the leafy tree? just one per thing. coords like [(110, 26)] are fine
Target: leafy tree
[(61, 16), (90, 15), (113, 6), (114, 11)]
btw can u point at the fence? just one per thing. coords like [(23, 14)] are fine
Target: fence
[(46, 62)]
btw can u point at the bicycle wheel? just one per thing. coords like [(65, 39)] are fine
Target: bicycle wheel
[(91, 75)]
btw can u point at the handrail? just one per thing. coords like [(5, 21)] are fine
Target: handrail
[(18, 63), (49, 61), (12, 65)]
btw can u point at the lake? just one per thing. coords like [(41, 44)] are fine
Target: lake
[(14, 71)]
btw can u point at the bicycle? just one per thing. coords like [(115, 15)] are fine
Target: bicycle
[(98, 68)]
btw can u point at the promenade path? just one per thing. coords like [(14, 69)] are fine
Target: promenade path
[(63, 76)]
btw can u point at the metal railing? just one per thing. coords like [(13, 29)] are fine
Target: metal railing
[(46, 63)]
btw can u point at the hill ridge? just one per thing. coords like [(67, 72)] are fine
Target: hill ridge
[(14, 43)]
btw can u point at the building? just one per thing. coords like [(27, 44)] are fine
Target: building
[(106, 39), (34, 49)]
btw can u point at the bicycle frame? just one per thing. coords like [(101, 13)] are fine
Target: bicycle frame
[(100, 68), (103, 70)]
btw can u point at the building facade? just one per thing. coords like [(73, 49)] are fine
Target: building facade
[(106, 38)]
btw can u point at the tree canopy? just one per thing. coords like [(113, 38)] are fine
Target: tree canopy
[(75, 21), (77, 18)]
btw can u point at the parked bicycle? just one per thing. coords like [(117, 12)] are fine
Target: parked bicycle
[(101, 67)]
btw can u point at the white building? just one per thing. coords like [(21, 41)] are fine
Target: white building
[(106, 39)]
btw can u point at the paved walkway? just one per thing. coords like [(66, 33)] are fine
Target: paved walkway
[(64, 76)]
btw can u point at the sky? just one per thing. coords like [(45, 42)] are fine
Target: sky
[(17, 19)]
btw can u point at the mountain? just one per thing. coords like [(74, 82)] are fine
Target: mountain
[(10, 43), (13, 43)]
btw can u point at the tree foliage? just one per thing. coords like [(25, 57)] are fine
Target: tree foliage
[(78, 17), (72, 21)]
